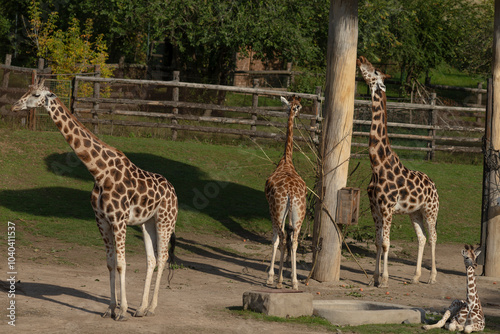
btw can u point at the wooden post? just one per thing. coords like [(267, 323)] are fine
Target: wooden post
[(175, 98), (95, 104), (41, 64), (432, 132), (479, 100), (73, 94), (486, 172), (316, 106), (290, 78), (492, 258), (6, 72), (255, 104), (479, 96), (32, 112), (336, 137)]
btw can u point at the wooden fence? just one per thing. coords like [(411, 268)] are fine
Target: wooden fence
[(182, 107), (254, 120)]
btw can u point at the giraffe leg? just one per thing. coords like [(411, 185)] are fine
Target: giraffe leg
[(386, 244), (440, 323), (164, 230), (107, 236), (120, 231), (149, 236), (296, 219), (417, 221), (378, 238), (431, 228), (282, 240), (270, 274), (452, 312)]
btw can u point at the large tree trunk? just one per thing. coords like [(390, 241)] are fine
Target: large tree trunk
[(492, 256), (337, 131)]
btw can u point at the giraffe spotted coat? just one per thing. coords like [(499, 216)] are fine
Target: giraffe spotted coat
[(123, 195), (395, 189), (286, 194)]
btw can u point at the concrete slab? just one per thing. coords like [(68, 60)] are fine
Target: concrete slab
[(354, 313), (279, 303)]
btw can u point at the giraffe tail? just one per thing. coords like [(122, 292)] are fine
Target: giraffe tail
[(171, 260), (288, 228), (289, 232), (171, 250)]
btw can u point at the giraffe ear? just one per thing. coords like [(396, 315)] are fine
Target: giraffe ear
[(284, 101), (477, 252)]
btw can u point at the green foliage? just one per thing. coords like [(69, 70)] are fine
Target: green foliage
[(307, 81), (69, 51), (421, 34)]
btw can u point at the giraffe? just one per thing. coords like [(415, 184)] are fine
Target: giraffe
[(394, 189), (123, 195), (466, 315), (286, 195)]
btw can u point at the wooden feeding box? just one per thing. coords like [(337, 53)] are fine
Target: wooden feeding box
[(348, 206)]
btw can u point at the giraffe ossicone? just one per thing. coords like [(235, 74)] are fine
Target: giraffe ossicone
[(465, 315), (123, 195), (395, 189), (286, 194)]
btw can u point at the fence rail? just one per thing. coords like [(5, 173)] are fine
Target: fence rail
[(182, 114), (129, 106)]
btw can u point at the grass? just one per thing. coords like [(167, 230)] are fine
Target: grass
[(46, 191), (312, 323), (220, 188)]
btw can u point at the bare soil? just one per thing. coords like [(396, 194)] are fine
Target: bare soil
[(63, 288)]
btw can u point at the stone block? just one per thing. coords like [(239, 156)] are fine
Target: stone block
[(355, 313), (279, 303)]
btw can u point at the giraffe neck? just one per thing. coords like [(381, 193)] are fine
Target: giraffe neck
[(379, 146), (471, 284), (93, 153), (287, 157)]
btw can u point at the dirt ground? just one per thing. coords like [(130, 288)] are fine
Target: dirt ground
[(64, 289)]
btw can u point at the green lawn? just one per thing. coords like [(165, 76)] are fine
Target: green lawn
[(220, 188)]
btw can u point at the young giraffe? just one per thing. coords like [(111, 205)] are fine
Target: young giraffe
[(123, 195), (466, 315), (286, 195), (394, 189)]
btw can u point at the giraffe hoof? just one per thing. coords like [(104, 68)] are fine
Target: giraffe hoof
[(108, 314), (139, 314), (382, 285), (150, 314), (415, 281), (120, 318)]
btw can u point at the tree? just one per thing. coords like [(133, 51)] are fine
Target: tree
[(421, 34), (337, 132), (207, 35), (70, 51)]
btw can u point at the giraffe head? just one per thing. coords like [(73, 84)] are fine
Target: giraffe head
[(293, 105), (374, 78), (37, 96), (470, 255)]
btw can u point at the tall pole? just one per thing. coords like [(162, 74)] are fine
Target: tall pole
[(492, 256), (337, 131)]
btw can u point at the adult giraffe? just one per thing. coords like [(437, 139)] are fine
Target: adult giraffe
[(123, 195), (286, 195), (395, 189)]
